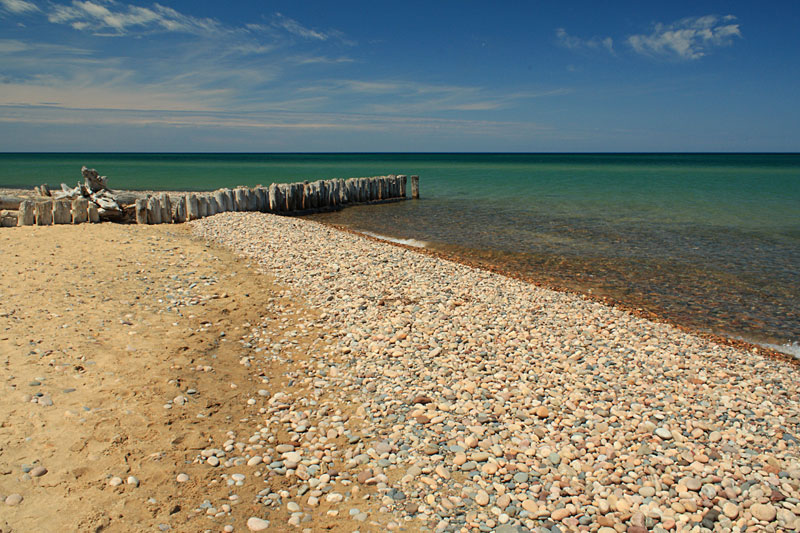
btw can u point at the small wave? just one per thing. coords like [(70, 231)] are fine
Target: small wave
[(792, 349), (408, 242)]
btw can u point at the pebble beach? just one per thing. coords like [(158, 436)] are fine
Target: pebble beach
[(447, 398), (251, 372)]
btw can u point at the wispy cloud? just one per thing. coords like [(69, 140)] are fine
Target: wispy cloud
[(395, 97), (120, 20), (294, 27), (578, 43), (688, 38), (18, 6)]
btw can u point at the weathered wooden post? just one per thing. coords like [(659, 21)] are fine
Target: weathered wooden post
[(179, 211), (27, 214), (153, 210), (202, 206), (44, 213), (192, 207), (239, 199), (219, 196), (252, 200), (80, 210), (274, 201), (141, 211), (213, 206), (415, 187), (166, 208), (62, 212), (262, 203), (93, 212), (403, 183)]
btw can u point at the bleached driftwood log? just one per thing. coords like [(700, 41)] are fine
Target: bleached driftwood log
[(10, 202), (94, 181)]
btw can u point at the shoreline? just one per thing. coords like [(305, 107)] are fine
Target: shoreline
[(605, 300), (772, 349)]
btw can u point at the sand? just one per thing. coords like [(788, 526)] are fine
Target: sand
[(107, 324)]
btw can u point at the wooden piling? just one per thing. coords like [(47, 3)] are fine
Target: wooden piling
[(213, 206), (403, 183), (153, 210), (62, 212), (202, 206), (219, 196), (93, 212), (415, 187), (192, 207), (166, 208), (239, 199), (44, 213), (27, 213), (141, 211), (80, 210), (179, 211)]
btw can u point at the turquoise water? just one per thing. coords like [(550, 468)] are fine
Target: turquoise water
[(711, 241)]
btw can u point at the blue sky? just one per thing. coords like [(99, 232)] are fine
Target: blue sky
[(107, 75)]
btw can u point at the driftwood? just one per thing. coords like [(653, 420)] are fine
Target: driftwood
[(8, 219), (10, 202), (94, 181)]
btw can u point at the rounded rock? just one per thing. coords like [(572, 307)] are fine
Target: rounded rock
[(763, 511), (257, 524)]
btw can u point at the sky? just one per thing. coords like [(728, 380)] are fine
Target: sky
[(373, 76)]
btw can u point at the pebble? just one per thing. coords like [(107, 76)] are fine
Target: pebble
[(257, 524), (764, 512), (182, 478), (38, 471), (664, 433), (14, 499), (115, 481), (482, 498)]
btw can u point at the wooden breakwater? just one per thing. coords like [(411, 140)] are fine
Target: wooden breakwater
[(162, 208)]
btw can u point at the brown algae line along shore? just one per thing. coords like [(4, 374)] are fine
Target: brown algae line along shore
[(495, 404)]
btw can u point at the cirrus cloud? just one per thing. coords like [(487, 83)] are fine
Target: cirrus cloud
[(689, 38)]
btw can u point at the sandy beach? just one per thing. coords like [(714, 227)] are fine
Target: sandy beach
[(248, 372)]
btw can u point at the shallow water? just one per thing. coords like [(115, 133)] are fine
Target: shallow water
[(710, 241)]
